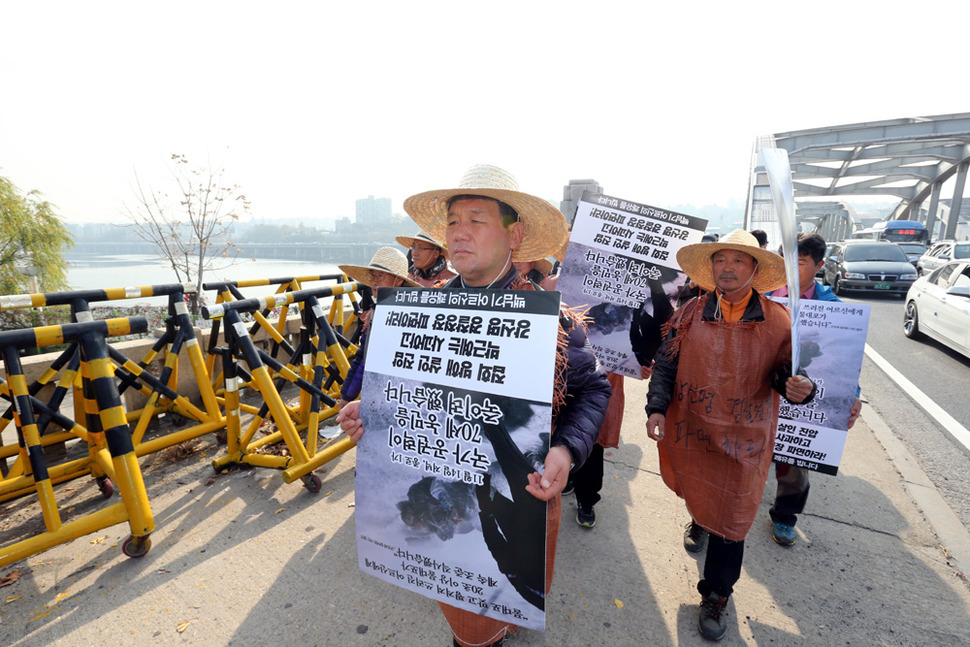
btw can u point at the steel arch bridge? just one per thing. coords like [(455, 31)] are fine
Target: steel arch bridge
[(909, 158)]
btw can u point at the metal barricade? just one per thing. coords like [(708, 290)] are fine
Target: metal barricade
[(111, 454), (317, 366), (161, 392)]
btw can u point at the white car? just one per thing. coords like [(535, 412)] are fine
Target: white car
[(942, 253), (938, 305)]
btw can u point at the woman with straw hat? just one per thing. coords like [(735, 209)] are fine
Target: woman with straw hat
[(487, 223), (717, 378), (429, 264), (387, 269)]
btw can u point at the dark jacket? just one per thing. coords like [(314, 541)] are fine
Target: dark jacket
[(587, 391), (665, 368)]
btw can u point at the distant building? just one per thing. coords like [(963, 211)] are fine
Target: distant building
[(341, 225), (373, 211), (571, 195)]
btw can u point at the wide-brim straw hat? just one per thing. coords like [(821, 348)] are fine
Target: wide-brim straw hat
[(695, 260), (544, 226), (542, 265), (421, 236), (386, 259)]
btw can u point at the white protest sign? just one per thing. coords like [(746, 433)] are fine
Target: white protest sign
[(621, 265), (832, 338), (457, 407)]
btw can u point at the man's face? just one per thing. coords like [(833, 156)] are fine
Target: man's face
[(423, 255), (478, 244), (732, 270), (379, 279), (807, 267)]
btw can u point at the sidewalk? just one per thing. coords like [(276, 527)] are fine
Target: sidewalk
[(244, 559)]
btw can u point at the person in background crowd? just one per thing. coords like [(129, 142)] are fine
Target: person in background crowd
[(428, 262), (715, 388), (487, 224), (387, 269), (537, 272), (792, 493), (762, 238)]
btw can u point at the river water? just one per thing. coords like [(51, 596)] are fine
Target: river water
[(99, 271)]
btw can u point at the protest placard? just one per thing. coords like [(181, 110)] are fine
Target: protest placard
[(457, 404), (621, 263), (832, 336)]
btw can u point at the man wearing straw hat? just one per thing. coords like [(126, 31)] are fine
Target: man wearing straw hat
[(713, 403), (387, 269), (487, 223), (429, 264)]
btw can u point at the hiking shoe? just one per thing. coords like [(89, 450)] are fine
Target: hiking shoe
[(783, 534), (695, 538), (711, 621), (569, 489), (585, 516)]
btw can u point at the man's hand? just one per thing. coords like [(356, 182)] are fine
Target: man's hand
[(798, 388), (655, 426), (350, 422), (646, 371), (554, 476), (854, 412)]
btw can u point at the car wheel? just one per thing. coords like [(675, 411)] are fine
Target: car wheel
[(911, 321), (836, 286)]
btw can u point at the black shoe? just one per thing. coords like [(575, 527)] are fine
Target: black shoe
[(695, 538), (585, 516), (569, 489), (711, 621)]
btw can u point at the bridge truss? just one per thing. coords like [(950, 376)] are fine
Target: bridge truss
[(909, 158)]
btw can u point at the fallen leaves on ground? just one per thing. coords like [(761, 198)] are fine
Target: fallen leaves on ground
[(619, 605), (182, 626), (11, 598), (10, 577)]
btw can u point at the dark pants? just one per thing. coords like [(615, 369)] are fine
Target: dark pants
[(722, 566), (588, 479), (792, 494)]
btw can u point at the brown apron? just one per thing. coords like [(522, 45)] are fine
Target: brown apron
[(719, 431)]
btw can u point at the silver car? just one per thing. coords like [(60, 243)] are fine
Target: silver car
[(876, 265), (938, 306), (941, 253)]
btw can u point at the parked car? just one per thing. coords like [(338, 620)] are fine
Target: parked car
[(914, 251), (941, 253), (876, 265), (938, 306)]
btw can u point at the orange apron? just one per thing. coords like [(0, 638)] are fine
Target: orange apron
[(719, 431)]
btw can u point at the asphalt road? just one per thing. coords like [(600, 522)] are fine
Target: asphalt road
[(943, 375)]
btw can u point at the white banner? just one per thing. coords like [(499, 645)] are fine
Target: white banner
[(832, 338), (457, 404), (621, 265)]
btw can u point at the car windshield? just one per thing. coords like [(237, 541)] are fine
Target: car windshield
[(913, 248), (961, 251), (875, 253)]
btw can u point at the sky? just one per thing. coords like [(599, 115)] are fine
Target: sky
[(309, 106)]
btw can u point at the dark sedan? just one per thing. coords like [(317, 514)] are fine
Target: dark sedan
[(879, 266)]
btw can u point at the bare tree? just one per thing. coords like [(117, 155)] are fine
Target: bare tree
[(192, 229)]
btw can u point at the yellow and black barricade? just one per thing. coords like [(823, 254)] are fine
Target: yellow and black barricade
[(110, 448)]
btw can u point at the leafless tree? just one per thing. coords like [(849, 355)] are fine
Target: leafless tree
[(191, 229)]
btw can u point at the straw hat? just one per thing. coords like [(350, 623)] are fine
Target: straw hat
[(386, 259), (542, 265), (695, 260), (422, 236), (544, 226)]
